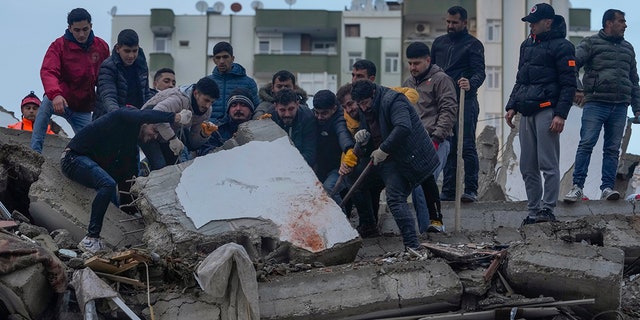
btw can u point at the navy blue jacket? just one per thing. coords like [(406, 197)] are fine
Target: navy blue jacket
[(333, 139), (227, 82), (546, 73), (112, 83), (403, 136), (302, 133), (460, 55), (112, 140)]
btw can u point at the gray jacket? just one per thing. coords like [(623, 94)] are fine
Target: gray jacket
[(610, 69)]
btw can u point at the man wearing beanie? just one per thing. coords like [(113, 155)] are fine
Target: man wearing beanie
[(29, 108), (543, 93), (334, 139), (240, 109)]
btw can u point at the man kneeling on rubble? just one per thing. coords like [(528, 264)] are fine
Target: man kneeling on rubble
[(102, 163)]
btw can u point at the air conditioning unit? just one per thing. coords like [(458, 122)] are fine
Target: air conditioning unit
[(422, 28)]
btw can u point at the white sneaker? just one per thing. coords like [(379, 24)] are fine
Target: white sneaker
[(609, 194), (574, 194), (91, 245)]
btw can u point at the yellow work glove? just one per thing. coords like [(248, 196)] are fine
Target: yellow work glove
[(265, 116), (349, 158), (208, 128)]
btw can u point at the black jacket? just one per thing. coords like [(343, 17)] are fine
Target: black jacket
[(112, 83), (302, 133), (333, 139), (403, 136), (112, 140), (460, 55), (546, 73)]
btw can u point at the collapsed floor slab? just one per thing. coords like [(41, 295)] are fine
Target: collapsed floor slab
[(261, 194), (567, 271), (56, 202), (333, 293)]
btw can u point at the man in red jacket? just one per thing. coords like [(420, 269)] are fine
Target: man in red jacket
[(29, 108), (69, 74)]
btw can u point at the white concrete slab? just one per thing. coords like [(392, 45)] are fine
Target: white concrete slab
[(266, 180)]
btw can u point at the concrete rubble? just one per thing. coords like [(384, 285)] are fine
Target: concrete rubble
[(592, 252)]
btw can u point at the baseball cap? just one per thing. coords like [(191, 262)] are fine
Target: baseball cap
[(538, 12)]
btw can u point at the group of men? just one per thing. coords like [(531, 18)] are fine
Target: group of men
[(399, 139)]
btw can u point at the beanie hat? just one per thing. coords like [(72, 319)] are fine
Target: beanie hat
[(538, 12), (417, 50), (324, 99), (31, 98), (238, 98)]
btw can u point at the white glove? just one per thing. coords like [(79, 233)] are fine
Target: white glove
[(176, 146), (185, 117), (378, 156), (362, 136)]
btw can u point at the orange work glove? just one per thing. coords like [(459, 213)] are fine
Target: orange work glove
[(208, 128), (350, 159), (265, 116)]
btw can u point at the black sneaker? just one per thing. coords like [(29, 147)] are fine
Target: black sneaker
[(469, 197), (528, 220), (368, 231), (545, 215), (446, 197)]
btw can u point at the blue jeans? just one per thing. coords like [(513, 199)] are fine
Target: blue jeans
[(469, 153), (330, 183), (417, 196), (77, 120), (87, 172), (595, 116)]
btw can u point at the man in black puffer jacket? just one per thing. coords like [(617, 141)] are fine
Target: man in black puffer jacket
[(543, 94), (123, 78), (610, 86)]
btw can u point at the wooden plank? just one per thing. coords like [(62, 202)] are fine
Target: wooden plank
[(133, 282), (99, 264)]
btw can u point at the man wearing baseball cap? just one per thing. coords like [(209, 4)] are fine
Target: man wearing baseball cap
[(29, 108), (543, 94)]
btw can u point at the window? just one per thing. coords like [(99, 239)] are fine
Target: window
[(264, 47), (493, 77), (161, 44), (352, 30), (353, 57), (494, 30), (324, 47), (391, 62), (184, 43)]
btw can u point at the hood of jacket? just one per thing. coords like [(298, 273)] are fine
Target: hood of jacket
[(265, 93), (558, 30)]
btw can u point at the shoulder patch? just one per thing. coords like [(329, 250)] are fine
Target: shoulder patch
[(572, 63)]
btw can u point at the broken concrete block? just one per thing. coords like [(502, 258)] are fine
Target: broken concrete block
[(567, 271), (261, 194), (30, 285), (473, 281), (183, 306), (343, 291)]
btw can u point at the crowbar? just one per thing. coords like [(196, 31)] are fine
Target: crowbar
[(358, 182)]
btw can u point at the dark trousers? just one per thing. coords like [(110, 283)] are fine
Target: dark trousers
[(87, 172), (469, 153)]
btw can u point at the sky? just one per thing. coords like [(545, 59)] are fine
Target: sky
[(39, 22)]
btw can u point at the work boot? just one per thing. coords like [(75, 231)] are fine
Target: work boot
[(609, 194), (574, 194)]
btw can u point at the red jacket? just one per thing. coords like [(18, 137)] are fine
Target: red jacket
[(27, 125), (72, 72)]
